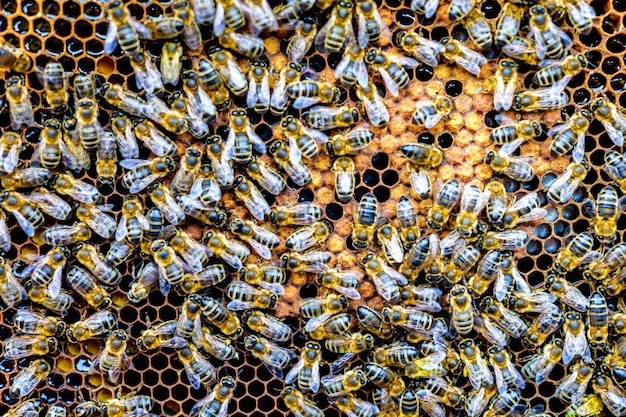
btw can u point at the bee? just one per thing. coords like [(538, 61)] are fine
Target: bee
[(571, 135), (158, 143), (106, 165), (612, 396), (508, 403), (200, 102), (438, 390), (245, 296), (192, 37), (365, 221), (127, 406), (48, 269), (284, 157), (302, 40), (55, 86), (80, 191), (30, 322), (326, 118), (567, 293), (302, 140), (228, 13), (209, 276), (221, 166), (18, 97), (29, 408), (307, 93), (460, 54), (590, 405), (268, 277), (411, 319), (306, 373), (56, 411), (340, 385), (28, 378), (144, 172), (147, 76), (98, 325), (59, 304), (85, 285), (478, 399), (461, 262), (218, 315), (337, 30), (497, 204), (445, 198), (309, 236), (169, 118), (420, 48), (195, 124), (390, 68), (606, 212), (251, 197), (289, 74), (372, 321), (162, 198), (597, 320), (389, 239), (90, 258), (162, 335), (198, 369), (517, 168), (613, 119), (523, 49), (540, 365), (247, 45), (11, 291), (475, 363), (564, 186), (424, 255), (385, 378), (10, 146), (113, 357), (577, 252), (349, 346), (88, 128), (258, 97), (370, 25), (460, 8), (122, 30), (551, 42), (508, 24), (337, 325), (503, 317), (615, 168), (241, 139), (479, 29), (64, 235), (194, 254), (345, 180), (261, 17), (318, 309), (5, 240), (274, 357), (506, 82), (125, 100), (305, 262), (373, 104), (171, 62), (259, 238), (461, 309), (14, 59), (351, 69), (574, 386), (428, 8), (525, 209), (229, 71), (398, 354), (171, 270), (613, 260), (267, 325), (301, 214), (560, 71), (26, 345), (548, 98), (188, 170), (132, 222), (218, 346), (473, 201), (385, 278), (229, 250), (352, 406), (298, 404), (506, 375), (118, 252), (486, 273)]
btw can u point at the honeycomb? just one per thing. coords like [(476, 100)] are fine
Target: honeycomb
[(73, 33)]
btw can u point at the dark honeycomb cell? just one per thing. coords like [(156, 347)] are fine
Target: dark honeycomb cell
[(424, 73), (71, 9), (426, 138)]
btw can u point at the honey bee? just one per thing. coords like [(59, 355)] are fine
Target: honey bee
[(508, 24), (182, 9), (162, 335), (144, 172), (147, 76), (28, 378), (85, 285), (476, 365), (306, 373), (113, 357), (26, 345), (218, 346), (398, 354), (118, 252), (606, 212), (56, 411), (216, 403), (244, 44), (199, 101), (540, 365), (337, 30), (258, 97), (11, 291), (564, 186), (170, 119), (14, 59), (10, 146), (188, 170), (170, 267), (506, 83), (345, 180), (391, 68), (351, 69), (615, 168), (326, 118), (412, 320), (18, 97), (517, 168), (229, 250), (34, 323), (365, 221), (460, 54), (506, 375), (218, 315), (550, 41), (46, 201), (171, 62), (208, 277), (158, 143), (123, 30), (123, 99), (194, 254), (245, 296), (612, 396), (47, 270), (478, 399), (241, 139), (597, 320), (195, 123), (372, 321), (564, 69), (567, 293), (473, 201), (90, 258), (274, 357), (460, 8), (198, 369), (461, 261), (124, 136), (385, 278), (571, 135), (548, 98), (337, 325), (106, 165), (251, 197), (613, 119), (162, 198), (573, 387), (221, 166), (445, 198), (98, 325), (260, 16), (389, 240), (228, 13), (479, 29), (298, 404), (267, 325), (302, 40), (59, 304), (65, 235), (28, 408), (420, 48), (289, 74), (289, 160), (577, 252), (55, 86), (374, 105), (340, 385), (307, 93), (503, 317), (613, 260), (349, 346), (229, 71), (259, 238), (352, 406), (302, 140), (132, 222), (385, 378), (80, 191), (309, 236), (305, 262), (318, 309), (127, 406), (88, 129), (524, 210), (461, 309)]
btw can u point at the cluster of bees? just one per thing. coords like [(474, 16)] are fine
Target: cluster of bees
[(451, 296)]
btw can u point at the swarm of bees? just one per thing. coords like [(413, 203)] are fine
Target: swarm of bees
[(204, 215)]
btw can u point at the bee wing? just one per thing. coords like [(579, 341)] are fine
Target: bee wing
[(293, 373), (331, 379), (193, 378), (394, 248), (499, 98), (50, 204), (110, 41), (362, 36), (121, 231), (26, 225), (10, 162), (397, 276), (514, 324), (508, 148), (298, 48), (133, 163), (391, 85), (304, 102), (617, 136), (500, 287), (500, 383), (522, 286), (540, 44), (341, 362), (28, 381), (566, 384), (257, 142), (477, 404), (316, 322), (54, 288), (219, 24), (574, 345)]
